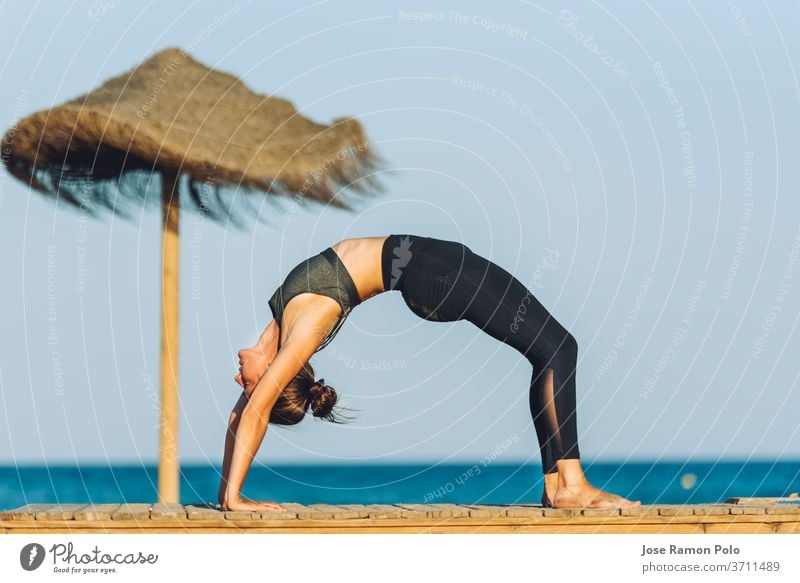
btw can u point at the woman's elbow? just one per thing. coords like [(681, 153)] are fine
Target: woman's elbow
[(256, 414)]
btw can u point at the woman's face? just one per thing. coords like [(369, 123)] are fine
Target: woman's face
[(252, 364)]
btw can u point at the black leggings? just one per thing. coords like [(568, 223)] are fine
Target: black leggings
[(443, 281)]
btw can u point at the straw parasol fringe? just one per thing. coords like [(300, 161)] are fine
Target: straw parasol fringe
[(173, 113)]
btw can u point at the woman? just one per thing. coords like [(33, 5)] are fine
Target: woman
[(440, 281)]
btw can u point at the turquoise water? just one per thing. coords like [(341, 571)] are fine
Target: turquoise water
[(662, 483)]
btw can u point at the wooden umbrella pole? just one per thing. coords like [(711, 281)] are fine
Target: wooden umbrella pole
[(168, 468)]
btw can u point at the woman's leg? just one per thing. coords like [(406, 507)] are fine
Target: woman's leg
[(444, 281), (495, 301), (504, 308)]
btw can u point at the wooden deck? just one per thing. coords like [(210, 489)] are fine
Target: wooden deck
[(736, 515)]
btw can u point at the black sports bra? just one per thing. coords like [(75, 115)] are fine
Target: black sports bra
[(323, 274)]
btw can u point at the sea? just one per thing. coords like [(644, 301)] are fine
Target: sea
[(463, 483)]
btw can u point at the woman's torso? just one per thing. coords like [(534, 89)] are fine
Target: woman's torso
[(361, 257)]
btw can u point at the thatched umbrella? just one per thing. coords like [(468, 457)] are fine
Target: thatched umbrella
[(202, 131)]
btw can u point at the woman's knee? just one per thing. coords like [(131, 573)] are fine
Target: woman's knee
[(570, 345), (559, 348)]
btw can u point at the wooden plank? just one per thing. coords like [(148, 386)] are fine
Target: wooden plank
[(27, 512), (361, 510), (525, 511), (324, 511), (259, 514), (201, 511), (748, 509), (784, 509), (711, 510), (561, 512), (315, 512), (676, 510), (446, 526), (428, 510), (610, 528), (739, 528), (503, 521), (793, 497), (600, 512), (131, 512), (642, 510), (296, 508), (320, 511), (452, 510), (486, 510), (787, 528), (167, 511), (411, 513), (355, 525), (59, 512), (473, 512), (740, 523), (96, 512), (393, 511), (5, 515), (241, 514), (383, 511), (278, 514), (408, 518)]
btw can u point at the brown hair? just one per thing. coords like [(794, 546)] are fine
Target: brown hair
[(304, 393)]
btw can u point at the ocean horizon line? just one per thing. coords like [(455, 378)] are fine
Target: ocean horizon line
[(456, 462)]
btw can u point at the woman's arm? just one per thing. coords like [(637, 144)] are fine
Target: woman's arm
[(254, 418), (269, 341), (230, 440)]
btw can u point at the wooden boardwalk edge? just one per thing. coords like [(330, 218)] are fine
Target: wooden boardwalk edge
[(749, 515)]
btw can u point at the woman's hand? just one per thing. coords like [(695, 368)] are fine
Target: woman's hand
[(250, 505)]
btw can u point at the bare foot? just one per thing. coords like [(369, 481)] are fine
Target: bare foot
[(587, 496), (550, 489)]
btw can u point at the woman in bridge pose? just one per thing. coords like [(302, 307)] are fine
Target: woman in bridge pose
[(440, 281)]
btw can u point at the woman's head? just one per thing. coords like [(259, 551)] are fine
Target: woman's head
[(302, 394)]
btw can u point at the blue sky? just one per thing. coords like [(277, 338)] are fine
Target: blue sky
[(634, 163)]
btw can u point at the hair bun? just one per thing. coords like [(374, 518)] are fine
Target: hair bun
[(323, 399)]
